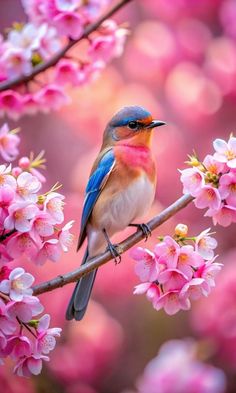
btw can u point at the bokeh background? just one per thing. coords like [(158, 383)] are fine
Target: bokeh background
[(180, 63)]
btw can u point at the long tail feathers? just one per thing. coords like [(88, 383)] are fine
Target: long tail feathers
[(80, 297)]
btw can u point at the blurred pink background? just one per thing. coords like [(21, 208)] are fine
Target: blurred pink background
[(180, 64)]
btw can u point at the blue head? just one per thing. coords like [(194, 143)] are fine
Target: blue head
[(128, 123)]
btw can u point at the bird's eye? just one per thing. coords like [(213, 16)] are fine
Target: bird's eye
[(133, 125)]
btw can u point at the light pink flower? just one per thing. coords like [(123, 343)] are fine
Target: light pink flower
[(208, 197), (51, 97), (7, 325), (53, 205), (29, 365), (22, 244), (146, 266), (18, 347), (226, 152), (7, 195), (224, 216), (188, 259), (68, 72), (49, 42), (151, 290), (8, 143), (17, 62), (30, 104), (67, 5), (208, 272), (27, 187), (65, 237), (49, 250), (46, 337), (25, 309), (12, 103), (172, 279), (227, 188), (42, 226), (26, 39), (171, 303), (70, 24), (193, 181), (213, 166), (6, 179), (20, 216), (18, 284), (167, 252), (205, 244), (194, 289)]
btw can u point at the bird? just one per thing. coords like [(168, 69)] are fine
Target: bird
[(121, 189)]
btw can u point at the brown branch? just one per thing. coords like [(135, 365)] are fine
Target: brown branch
[(95, 262), (9, 84)]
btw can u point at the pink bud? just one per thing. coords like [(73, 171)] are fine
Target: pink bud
[(16, 171), (24, 162)]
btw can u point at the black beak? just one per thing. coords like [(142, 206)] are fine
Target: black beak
[(155, 123)]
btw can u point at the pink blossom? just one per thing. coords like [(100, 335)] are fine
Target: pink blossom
[(151, 290), (26, 39), (209, 271), (188, 259), (146, 267), (8, 143), (224, 216), (42, 226), (172, 279), (4, 273), (18, 347), (49, 43), (205, 244), (18, 284), (67, 71), (67, 5), (168, 252), (226, 152), (227, 188), (171, 302), (194, 289), (70, 24), (212, 165), (30, 104), (51, 97), (22, 244), (27, 187), (7, 195), (25, 309), (20, 216), (5, 178), (12, 103), (193, 181), (46, 337), (4, 256), (7, 325), (30, 365), (53, 205), (17, 62), (209, 197), (65, 237), (49, 250)]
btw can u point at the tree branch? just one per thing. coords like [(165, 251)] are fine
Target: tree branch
[(9, 84), (95, 262)]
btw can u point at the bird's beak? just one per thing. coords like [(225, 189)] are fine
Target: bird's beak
[(155, 123)]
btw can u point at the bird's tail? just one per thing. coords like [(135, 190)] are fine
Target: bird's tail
[(80, 297)]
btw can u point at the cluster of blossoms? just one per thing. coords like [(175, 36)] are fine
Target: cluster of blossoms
[(52, 24), (29, 227), (176, 369), (212, 182), (177, 272)]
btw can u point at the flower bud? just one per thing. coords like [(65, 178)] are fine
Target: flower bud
[(24, 162), (181, 230)]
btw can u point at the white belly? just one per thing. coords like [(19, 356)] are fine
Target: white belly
[(123, 209)]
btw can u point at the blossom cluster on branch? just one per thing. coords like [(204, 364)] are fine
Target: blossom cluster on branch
[(30, 228), (213, 182), (54, 26), (176, 271)]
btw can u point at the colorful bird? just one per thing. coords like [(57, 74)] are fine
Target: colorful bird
[(120, 189)]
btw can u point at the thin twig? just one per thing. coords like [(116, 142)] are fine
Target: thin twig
[(130, 241), (9, 84)]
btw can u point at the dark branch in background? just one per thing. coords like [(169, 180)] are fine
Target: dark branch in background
[(94, 263), (9, 84)]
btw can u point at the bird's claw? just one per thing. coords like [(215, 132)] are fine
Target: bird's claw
[(113, 248), (146, 230)]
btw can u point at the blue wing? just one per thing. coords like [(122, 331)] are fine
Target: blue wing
[(94, 187)]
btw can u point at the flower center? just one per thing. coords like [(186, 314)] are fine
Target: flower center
[(230, 154)]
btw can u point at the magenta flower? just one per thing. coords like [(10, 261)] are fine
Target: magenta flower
[(18, 347), (70, 24), (209, 197), (226, 152), (29, 307), (227, 188), (193, 181), (51, 97), (188, 259), (205, 245), (49, 250), (22, 244), (46, 337), (7, 325), (27, 187), (11, 102), (7, 195), (29, 365), (20, 216), (8, 143), (172, 279), (146, 266), (18, 285), (68, 72), (167, 252)]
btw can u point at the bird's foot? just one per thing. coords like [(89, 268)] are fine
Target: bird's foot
[(144, 228), (113, 248)]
